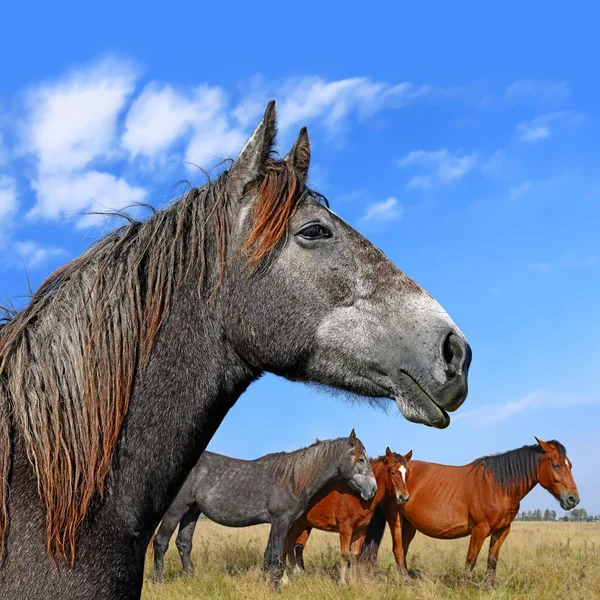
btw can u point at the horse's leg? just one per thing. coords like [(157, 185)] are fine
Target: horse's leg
[(355, 547), (161, 542), (400, 529), (295, 533), (275, 550), (408, 535), (299, 550), (187, 525), (496, 542), (345, 539), (478, 535)]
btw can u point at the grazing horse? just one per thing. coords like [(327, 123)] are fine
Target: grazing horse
[(336, 508), (125, 362), (480, 499), (276, 489)]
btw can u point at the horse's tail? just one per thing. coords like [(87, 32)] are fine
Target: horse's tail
[(375, 532)]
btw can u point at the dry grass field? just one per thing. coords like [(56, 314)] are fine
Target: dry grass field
[(543, 561)]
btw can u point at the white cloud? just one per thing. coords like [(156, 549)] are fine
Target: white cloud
[(537, 400), (214, 139), (516, 192), (540, 91), (71, 129), (3, 153), (385, 211), (72, 122), (161, 115), (444, 167), (541, 127), (302, 100), (8, 196), (70, 125), (60, 195), (571, 260), (32, 254)]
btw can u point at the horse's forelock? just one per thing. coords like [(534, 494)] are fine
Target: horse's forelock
[(358, 450)]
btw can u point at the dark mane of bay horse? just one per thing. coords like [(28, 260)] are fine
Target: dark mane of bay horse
[(300, 467), (516, 467), (115, 297)]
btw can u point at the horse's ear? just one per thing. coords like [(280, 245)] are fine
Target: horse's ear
[(251, 162), (544, 445), (299, 155), (388, 453), (352, 437), (408, 456)]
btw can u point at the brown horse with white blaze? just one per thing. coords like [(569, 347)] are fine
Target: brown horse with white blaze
[(337, 508), (480, 499)]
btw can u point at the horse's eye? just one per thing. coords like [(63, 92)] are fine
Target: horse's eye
[(315, 232), (555, 466)]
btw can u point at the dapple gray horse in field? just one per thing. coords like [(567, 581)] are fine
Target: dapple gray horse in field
[(119, 371), (275, 489)]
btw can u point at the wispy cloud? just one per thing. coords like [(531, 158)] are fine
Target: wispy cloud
[(32, 254), (306, 99), (538, 400), (161, 115), (571, 260), (84, 130), (71, 194), (383, 212), (542, 127), (73, 121), (8, 196), (538, 91), (444, 168), (71, 124), (516, 192), (8, 205)]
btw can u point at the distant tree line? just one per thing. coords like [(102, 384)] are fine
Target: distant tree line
[(577, 514)]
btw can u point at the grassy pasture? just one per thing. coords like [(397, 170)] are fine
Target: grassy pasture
[(543, 561)]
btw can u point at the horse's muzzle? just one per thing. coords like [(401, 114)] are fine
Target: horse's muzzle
[(569, 500)]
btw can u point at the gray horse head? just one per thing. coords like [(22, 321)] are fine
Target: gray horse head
[(356, 469), (318, 302)]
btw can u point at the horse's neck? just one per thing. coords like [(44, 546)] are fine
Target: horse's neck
[(381, 477), (524, 487), (329, 472), (192, 380)]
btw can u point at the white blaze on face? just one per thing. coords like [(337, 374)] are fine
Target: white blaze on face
[(402, 470)]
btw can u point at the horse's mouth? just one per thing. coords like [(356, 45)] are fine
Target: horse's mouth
[(417, 406)]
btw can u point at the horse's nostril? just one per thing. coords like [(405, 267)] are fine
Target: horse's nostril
[(453, 351)]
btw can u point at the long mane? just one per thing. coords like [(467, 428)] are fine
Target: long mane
[(515, 468), (69, 360), (301, 467)]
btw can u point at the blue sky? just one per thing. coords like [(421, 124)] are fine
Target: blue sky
[(462, 139)]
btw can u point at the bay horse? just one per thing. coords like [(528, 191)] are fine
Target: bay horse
[(276, 489), (480, 499), (117, 374), (337, 508)]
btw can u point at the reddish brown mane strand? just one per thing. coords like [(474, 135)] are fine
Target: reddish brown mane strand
[(278, 194), (358, 450)]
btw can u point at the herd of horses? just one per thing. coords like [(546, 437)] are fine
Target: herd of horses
[(320, 488), (118, 372)]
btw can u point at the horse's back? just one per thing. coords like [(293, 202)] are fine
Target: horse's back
[(231, 491)]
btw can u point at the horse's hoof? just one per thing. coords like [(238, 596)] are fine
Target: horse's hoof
[(285, 580), (415, 574)]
